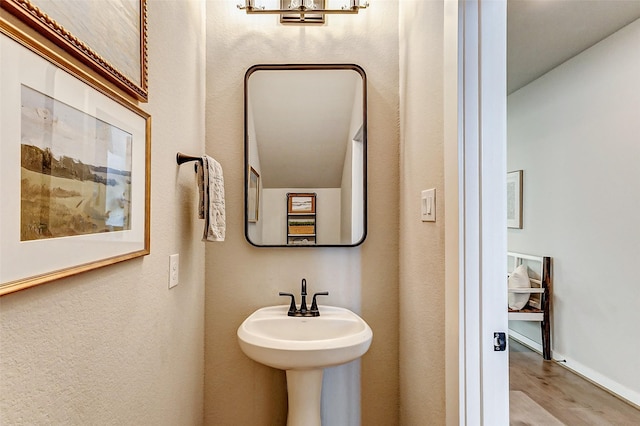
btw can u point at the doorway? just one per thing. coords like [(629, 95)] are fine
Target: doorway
[(572, 120)]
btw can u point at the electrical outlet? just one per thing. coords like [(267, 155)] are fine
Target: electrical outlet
[(174, 270)]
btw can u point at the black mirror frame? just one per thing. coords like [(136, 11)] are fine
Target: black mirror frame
[(300, 67)]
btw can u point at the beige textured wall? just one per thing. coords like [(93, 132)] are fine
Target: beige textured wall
[(422, 290), (241, 278), (115, 345)]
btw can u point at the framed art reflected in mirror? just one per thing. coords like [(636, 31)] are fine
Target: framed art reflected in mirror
[(253, 197)]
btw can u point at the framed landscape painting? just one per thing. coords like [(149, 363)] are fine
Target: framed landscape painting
[(74, 161), (109, 36), (302, 203)]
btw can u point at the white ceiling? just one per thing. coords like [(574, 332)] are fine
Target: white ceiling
[(542, 34)]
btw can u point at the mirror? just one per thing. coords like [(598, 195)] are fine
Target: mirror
[(305, 155)]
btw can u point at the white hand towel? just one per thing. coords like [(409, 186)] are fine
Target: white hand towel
[(211, 206)]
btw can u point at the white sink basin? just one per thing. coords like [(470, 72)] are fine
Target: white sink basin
[(337, 336)]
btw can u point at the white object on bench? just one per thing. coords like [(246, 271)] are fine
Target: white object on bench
[(537, 307)]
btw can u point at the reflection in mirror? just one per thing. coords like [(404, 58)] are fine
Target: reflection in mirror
[(305, 132)]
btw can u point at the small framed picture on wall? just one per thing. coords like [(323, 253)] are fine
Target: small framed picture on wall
[(514, 199)]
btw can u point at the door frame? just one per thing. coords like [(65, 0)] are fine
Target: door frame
[(475, 178)]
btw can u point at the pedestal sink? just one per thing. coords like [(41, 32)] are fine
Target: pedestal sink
[(304, 346)]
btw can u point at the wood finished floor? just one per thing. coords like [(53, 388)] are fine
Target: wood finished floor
[(567, 396)]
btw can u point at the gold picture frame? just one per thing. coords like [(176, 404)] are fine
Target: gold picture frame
[(108, 36), (75, 161), (302, 202)]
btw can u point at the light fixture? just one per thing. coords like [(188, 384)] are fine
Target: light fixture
[(303, 11)]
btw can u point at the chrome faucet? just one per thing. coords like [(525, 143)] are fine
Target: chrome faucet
[(304, 311)]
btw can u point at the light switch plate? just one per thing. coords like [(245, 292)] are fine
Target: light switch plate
[(428, 205), (174, 270)]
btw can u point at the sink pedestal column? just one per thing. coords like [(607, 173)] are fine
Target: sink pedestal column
[(304, 389)]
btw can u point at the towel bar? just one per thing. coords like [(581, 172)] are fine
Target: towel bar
[(183, 158)]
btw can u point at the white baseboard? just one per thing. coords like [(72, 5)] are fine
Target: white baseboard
[(521, 338), (600, 380), (611, 386)]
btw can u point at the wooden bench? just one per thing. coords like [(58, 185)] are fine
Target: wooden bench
[(538, 306)]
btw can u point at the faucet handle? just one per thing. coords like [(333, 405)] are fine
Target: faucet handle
[(292, 307), (314, 305)]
